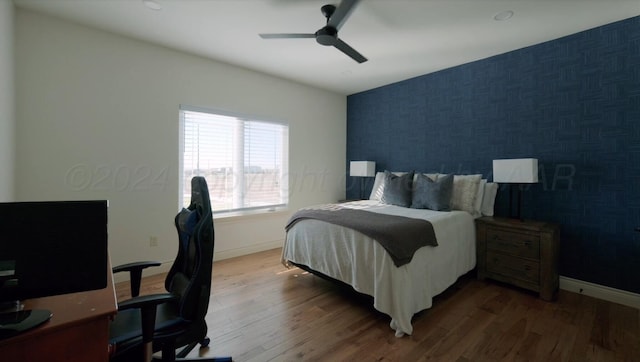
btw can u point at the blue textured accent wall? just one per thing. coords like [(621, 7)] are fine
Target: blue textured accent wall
[(573, 103)]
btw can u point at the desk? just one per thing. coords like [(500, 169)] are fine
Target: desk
[(78, 330)]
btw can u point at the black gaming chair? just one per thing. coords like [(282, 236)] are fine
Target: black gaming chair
[(150, 323)]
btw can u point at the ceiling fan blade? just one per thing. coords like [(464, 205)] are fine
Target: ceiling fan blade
[(286, 36), (342, 13), (345, 48)]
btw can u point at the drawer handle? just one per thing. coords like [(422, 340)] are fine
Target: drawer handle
[(500, 240), (525, 243)]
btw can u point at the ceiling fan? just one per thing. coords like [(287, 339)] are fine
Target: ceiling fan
[(328, 35)]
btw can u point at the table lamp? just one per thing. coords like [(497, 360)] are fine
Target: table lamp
[(362, 169), (515, 171)]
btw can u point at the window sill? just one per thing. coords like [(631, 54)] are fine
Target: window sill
[(243, 215)]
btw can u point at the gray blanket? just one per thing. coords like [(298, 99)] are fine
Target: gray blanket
[(400, 236)]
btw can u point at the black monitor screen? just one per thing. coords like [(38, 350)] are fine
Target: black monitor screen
[(51, 248)]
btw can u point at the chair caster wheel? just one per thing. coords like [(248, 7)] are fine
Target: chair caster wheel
[(205, 342)]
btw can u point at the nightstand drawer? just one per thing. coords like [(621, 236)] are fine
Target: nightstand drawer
[(513, 243), (514, 267)]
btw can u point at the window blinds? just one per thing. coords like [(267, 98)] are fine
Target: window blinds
[(244, 161)]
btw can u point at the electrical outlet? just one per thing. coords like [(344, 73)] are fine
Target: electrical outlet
[(153, 241)]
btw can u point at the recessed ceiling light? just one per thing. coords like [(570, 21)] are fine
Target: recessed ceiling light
[(503, 15), (151, 4)]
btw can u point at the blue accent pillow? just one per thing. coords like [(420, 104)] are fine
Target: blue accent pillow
[(433, 195), (397, 189)]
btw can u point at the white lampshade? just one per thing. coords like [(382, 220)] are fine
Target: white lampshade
[(362, 168), (516, 170)]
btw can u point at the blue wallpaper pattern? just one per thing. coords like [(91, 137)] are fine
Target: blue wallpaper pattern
[(573, 103)]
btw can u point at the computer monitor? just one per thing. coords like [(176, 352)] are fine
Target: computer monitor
[(51, 247)]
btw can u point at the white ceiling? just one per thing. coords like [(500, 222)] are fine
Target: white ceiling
[(401, 38)]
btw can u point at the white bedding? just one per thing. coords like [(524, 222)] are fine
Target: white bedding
[(399, 292)]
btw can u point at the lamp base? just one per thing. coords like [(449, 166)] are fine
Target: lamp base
[(518, 210)]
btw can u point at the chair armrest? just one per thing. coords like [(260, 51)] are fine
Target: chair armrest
[(148, 305), (135, 265), (135, 273), (146, 301)]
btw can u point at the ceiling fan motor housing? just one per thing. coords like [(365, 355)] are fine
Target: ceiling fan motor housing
[(326, 36)]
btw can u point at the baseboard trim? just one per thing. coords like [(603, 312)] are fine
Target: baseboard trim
[(255, 248), (600, 291), (219, 255), (569, 284)]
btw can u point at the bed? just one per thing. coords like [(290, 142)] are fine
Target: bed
[(360, 261)]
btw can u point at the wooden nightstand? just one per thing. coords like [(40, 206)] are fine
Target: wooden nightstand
[(522, 253)]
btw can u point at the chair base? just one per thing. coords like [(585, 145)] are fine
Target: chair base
[(169, 354)]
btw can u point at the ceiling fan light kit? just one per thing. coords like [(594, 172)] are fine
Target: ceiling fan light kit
[(328, 35)]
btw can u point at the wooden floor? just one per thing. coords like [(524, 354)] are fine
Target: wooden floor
[(261, 311)]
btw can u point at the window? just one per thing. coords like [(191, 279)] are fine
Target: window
[(245, 161)]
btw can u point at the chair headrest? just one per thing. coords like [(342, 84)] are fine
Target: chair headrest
[(199, 194)]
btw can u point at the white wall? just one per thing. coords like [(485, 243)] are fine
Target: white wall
[(7, 108), (97, 118)]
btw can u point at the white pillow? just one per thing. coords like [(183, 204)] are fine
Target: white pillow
[(465, 188), (477, 204), (489, 198), (378, 185), (376, 190)]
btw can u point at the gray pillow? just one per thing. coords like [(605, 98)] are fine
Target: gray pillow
[(433, 195), (397, 189)]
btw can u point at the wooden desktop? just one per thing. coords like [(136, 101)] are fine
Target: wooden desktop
[(77, 331)]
